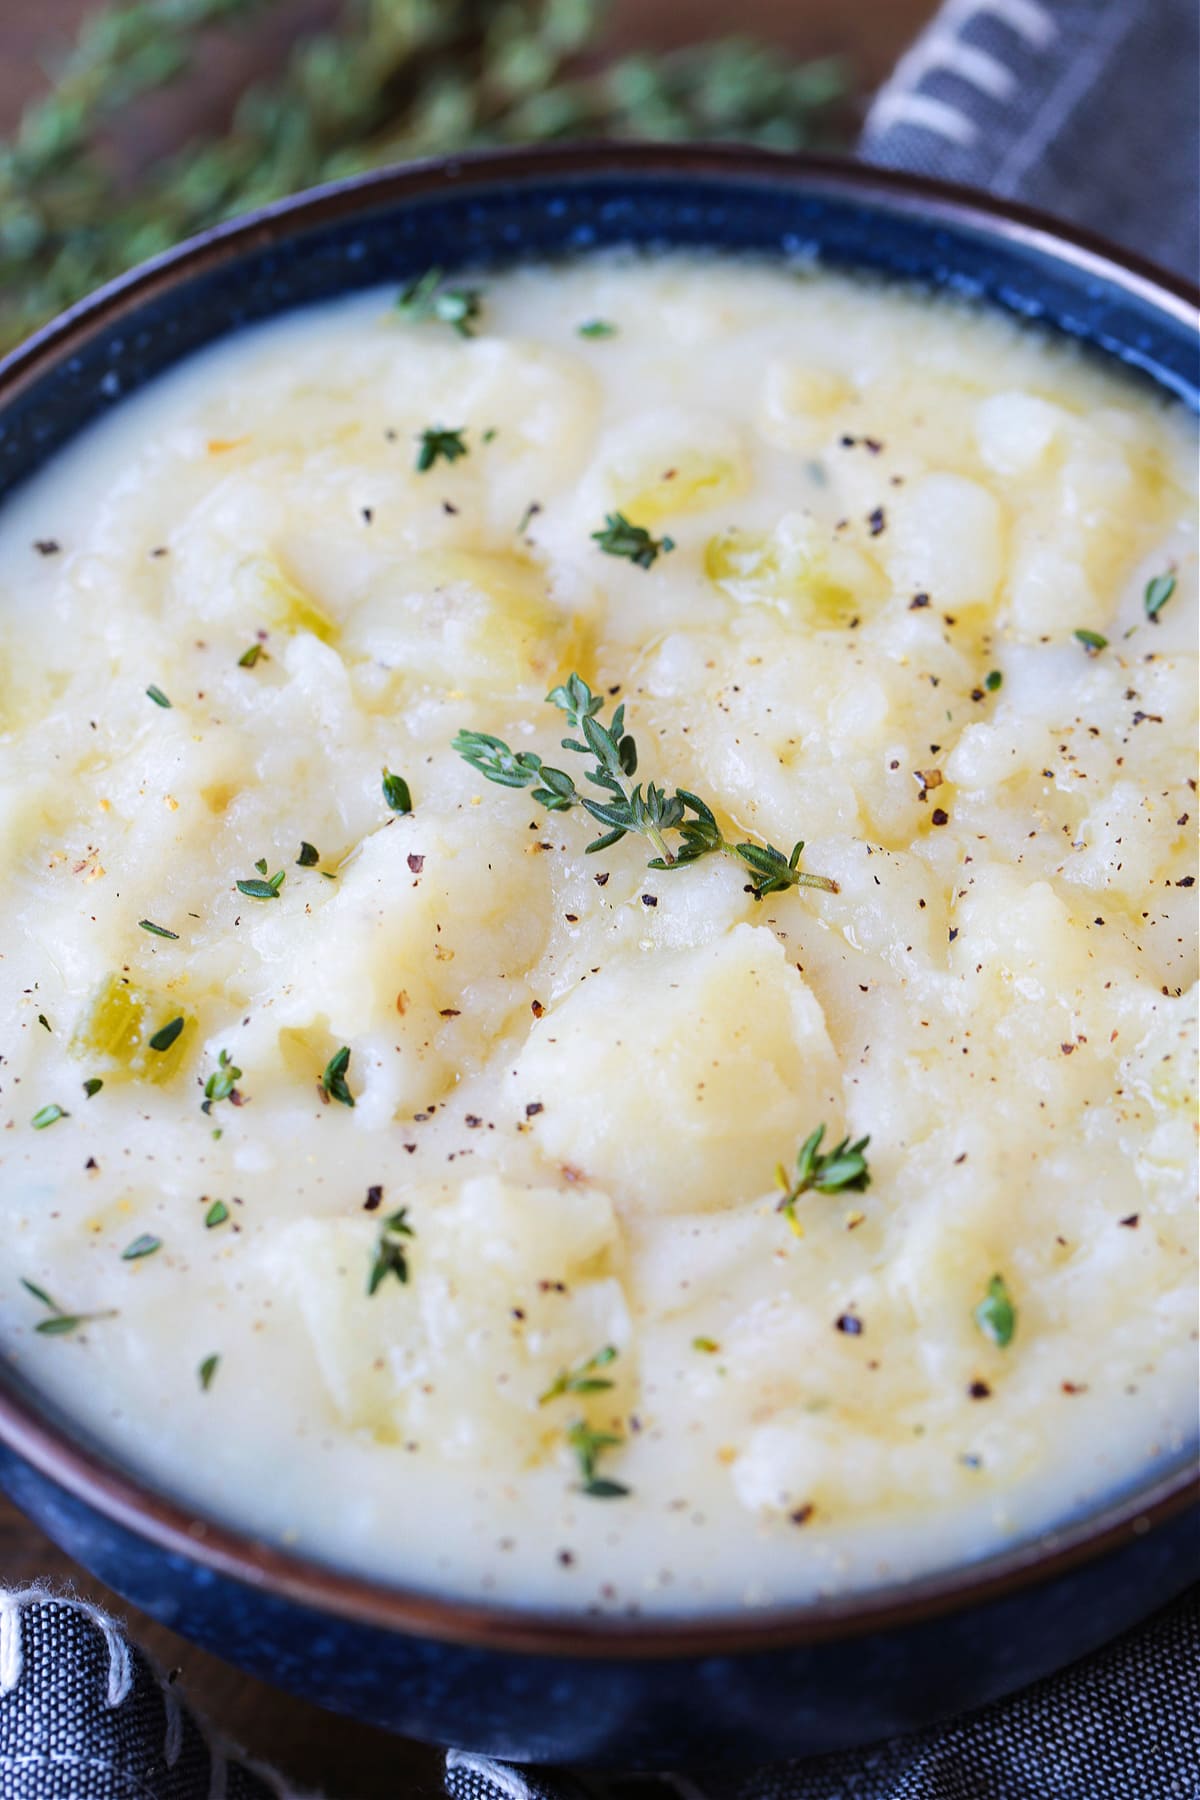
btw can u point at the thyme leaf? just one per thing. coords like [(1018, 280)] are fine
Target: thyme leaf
[(396, 793), (581, 1380), (996, 1315), (391, 1254), (439, 441), (333, 1080), (621, 538), (1158, 592)]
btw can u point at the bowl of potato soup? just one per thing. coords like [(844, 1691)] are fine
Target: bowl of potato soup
[(598, 948)]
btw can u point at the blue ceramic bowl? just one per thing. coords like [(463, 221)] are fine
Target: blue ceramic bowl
[(591, 1691)]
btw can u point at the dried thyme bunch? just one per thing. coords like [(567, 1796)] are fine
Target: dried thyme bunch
[(383, 80)]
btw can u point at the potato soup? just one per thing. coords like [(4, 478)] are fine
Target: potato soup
[(598, 934)]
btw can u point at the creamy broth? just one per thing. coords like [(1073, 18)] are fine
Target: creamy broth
[(545, 1243)]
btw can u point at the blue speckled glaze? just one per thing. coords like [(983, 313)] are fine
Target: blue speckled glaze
[(444, 1674)]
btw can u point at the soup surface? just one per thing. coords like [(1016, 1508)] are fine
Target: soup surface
[(389, 1169)]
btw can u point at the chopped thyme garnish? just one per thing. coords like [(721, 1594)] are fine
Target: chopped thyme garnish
[(222, 1083), (993, 680), (249, 657), (621, 538), (217, 1214), (706, 1345), (425, 298), (59, 1323), (596, 328), (396, 792), (1092, 641), (996, 1316), (582, 1380), (262, 890), (391, 1257), (91, 1086), (206, 1371), (165, 1036), (840, 1170), (48, 1115), (650, 814), (440, 440), (157, 930), (309, 855), (156, 694), (333, 1079), (589, 1446), (1158, 592), (145, 1245)]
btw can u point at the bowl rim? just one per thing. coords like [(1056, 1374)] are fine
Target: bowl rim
[(131, 1502)]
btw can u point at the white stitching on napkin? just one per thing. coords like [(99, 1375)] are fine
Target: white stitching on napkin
[(11, 1651), (505, 1781), (899, 103), (937, 116)]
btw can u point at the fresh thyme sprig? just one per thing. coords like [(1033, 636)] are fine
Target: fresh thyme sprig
[(59, 1323), (840, 1170), (651, 813), (361, 86), (582, 1380)]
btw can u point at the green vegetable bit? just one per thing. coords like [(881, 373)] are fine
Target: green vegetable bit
[(1158, 592), (438, 440), (249, 657), (262, 890), (426, 298), (48, 1115), (650, 814), (391, 1255), (996, 1315), (157, 930), (597, 328), (589, 1446), (217, 1214), (145, 1245), (92, 1086), (396, 792), (333, 1080), (156, 694), (620, 538), (840, 1170), (993, 681), (165, 1036), (309, 855), (206, 1371), (582, 1380), (1092, 641), (222, 1083)]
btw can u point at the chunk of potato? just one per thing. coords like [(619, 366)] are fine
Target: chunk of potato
[(710, 1060), (113, 1035)]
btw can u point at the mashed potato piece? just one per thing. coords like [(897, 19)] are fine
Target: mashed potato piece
[(360, 1123)]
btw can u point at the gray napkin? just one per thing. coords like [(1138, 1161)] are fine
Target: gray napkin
[(1089, 109)]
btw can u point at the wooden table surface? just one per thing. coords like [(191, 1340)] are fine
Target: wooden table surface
[(348, 1761)]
